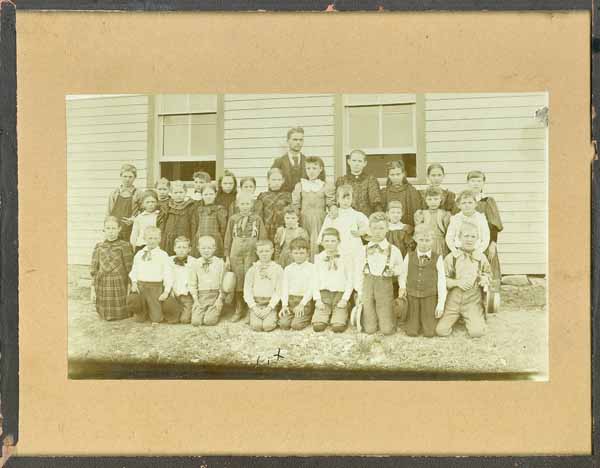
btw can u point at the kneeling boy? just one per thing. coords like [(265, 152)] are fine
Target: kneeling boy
[(205, 281), (467, 273), (262, 286)]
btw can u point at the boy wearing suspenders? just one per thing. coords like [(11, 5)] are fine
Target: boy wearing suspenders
[(380, 263)]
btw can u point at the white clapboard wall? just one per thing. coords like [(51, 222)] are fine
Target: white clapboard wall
[(103, 132), (256, 127), (499, 135)]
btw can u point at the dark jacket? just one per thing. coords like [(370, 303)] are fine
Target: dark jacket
[(285, 166)]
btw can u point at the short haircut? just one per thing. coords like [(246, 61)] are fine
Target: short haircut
[(111, 219), (293, 130), (207, 239), (397, 164), (433, 166), (290, 210), (378, 217), (274, 170), (151, 230), (467, 226), (358, 151), (422, 229), (177, 184), (147, 194), (475, 174), (205, 176), (433, 192), (128, 168), (465, 194), (209, 186), (299, 243), (181, 239), (344, 191), (394, 204), (243, 180), (264, 243), (162, 181), (330, 232), (228, 173)]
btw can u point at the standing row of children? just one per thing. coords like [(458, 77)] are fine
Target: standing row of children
[(234, 227)]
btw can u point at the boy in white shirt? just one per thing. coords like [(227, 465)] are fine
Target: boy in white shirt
[(297, 288), (181, 264), (376, 267), (151, 276), (333, 285)]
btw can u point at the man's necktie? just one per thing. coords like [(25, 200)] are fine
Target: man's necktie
[(147, 255)]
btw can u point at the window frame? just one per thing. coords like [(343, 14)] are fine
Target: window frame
[(380, 100)]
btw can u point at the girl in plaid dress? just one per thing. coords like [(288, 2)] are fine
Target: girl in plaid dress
[(212, 219), (244, 229), (111, 261), (270, 205)]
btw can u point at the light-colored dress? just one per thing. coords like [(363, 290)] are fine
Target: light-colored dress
[(312, 198)]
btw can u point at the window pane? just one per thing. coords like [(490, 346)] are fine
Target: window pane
[(204, 136), (175, 140), (363, 127), (176, 119), (203, 102), (397, 126), (174, 103), (377, 164), (185, 170)]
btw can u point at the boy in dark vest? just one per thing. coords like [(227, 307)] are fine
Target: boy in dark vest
[(424, 281)]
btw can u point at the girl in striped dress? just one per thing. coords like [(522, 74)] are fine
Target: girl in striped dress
[(111, 262)]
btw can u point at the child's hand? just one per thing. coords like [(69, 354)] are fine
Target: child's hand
[(342, 304), (333, 212), (484, 282), (401, 293), (93, 294), (163, 296), (134, 288), (299, 310), (283, 312), (439, 311)]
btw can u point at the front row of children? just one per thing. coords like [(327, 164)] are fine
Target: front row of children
[(183, 289)]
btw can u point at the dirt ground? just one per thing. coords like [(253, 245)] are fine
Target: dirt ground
[(515, 342)]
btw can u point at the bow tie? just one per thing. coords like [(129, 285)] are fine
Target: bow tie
[(424, 259), (147, 255), (375, 248), (263, 271), (180, 261), (206, 264), (331, 261)]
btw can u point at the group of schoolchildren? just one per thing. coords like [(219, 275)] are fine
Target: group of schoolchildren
[(312, 254)]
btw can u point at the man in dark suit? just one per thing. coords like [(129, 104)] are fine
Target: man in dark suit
[(291, 164)]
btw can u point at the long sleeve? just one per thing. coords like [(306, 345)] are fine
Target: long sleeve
[(449, 269), (485, 233), (193, 227), (359, 264), (168, 273), (451, 233), (375, 199), (276, 296), (297, 197), (259, 206), (248, 288), (277, 243), (222, 221), (111, 203), (441, 283), (308, 294), (316, 290), (284, 288), (193, 281), (95, 265), (403, 277), (349, 286), (135, 231), (229, 236), (262, 232), (127, 254), (329, 190), (133, 274)]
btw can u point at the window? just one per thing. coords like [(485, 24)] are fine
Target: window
[(187, 135), (385, 127)]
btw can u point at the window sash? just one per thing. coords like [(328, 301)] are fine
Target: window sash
[(188, 156)]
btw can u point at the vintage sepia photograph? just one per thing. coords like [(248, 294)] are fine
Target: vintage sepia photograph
[(309, 236)]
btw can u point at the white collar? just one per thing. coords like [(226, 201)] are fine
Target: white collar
[(396, 226), (424, 254), (312, 185), (383, 244), (291, 157), (145, 213)]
